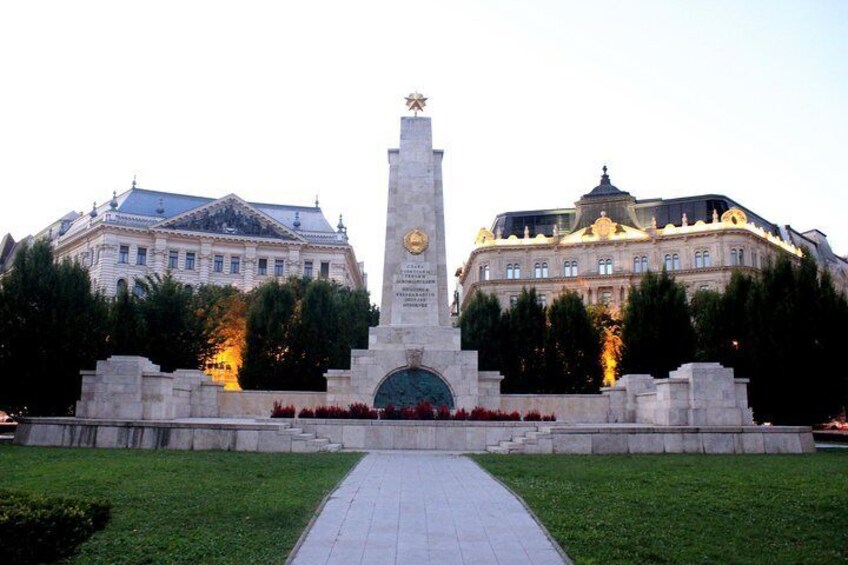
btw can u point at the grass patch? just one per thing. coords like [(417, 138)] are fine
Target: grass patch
[(183, 506), (687, 509)]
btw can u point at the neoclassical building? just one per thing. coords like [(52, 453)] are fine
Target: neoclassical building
[(200, 240), (602, 246)]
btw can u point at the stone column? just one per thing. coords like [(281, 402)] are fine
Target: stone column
[(249, 274), (160, 249)]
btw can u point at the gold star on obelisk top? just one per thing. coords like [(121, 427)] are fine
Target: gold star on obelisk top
[(416, 102)]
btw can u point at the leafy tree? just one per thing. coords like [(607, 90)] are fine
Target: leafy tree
[(51, 327), (480, 325), (297, 330), (523, 345), (178, 332), (573, 348), (657, 329)]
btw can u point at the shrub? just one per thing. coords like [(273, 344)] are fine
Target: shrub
[(306, 413), (461, 414), (549, 418), (43, 530), (480, 414), (281, 411), (533, 416), (331, 413), (390, 413), (424, 411), (443, 413), (360, 411)]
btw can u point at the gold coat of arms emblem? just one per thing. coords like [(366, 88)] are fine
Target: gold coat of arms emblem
[(416, 241)]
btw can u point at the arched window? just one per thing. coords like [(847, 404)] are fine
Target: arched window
[(537, 270), (734, 257), (122, 285), (699, 260), (668, 262), (517, 271), (484, 273), (741, 256), (138, 289), (644, 264), (601, 267), (569, 269), (545, 270), (609, 266), (675, 262), (707, 261), (637, 265), (509, 271)]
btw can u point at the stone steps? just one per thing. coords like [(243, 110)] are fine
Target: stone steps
[(533, 441)]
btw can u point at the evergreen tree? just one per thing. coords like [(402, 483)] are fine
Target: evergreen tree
[(480, 324), (709, 325), (657, 329), (51, 327), (523, 358), (573, 348), (126, 329), (270, 319)]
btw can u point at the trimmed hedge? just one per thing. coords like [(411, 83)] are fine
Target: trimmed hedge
[(35, 529)]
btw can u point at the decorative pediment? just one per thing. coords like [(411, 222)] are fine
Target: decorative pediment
[(229, 216)]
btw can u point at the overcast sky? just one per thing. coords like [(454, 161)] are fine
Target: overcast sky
[(280, 101)]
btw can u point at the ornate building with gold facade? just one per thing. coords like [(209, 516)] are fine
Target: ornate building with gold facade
[(602, 246)]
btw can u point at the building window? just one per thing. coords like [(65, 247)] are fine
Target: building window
[(307, 269), (173, 259), (604, 266), (542, 300), (234, 265), (509, 271), (122, 285), (517, 271), (737, 257), (141, 256), (537, 271), (189, 261), (124, 254), (325, 270), (605, 297), (544, 270), (513, 300), (483, 273), (699, 260), (138, 289), (640, 264), (707, 261), (279, 267), (754, 258), (218, 266), (569, 269), (262, 269), (672, 262)]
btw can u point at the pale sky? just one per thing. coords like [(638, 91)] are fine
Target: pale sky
[(278, 101)]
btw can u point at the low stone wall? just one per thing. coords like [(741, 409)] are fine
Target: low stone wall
[(568, 408), (445, 435), (618, 438), (196, 434), (260, 403)]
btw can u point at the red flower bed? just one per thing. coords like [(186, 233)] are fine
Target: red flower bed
[(421, 411)]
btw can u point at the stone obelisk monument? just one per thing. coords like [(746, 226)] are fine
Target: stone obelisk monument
[(414, 354)]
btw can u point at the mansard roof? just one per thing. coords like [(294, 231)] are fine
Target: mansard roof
[(140, 207)]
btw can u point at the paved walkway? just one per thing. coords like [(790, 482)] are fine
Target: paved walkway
[(415, 508)]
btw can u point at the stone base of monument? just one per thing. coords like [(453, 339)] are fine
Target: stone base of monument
[(129, 403)]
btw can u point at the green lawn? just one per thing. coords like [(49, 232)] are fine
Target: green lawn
[(183, 507), (687, 509)]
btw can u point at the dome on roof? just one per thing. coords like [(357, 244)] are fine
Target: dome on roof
[(606, 188)]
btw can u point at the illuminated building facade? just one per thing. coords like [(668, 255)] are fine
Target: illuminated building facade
[(602, 246)]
